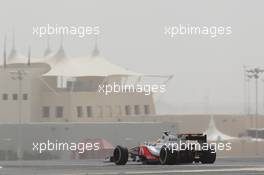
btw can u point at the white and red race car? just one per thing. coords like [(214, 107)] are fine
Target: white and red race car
[(168, 150)]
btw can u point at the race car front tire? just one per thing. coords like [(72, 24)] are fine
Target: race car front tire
[(120, 155)]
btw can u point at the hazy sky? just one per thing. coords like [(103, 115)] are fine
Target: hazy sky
[(208, 71)]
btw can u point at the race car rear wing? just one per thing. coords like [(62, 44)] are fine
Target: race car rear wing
[(201, 138)]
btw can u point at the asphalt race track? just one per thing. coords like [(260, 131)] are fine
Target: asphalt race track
[(234, 166)]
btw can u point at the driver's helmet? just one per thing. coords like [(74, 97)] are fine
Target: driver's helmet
[(167, 137), (158, 141)]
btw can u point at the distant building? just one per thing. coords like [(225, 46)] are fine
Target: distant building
[(59, 88), (254, 133)]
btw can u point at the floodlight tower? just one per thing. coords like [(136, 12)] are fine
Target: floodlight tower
[(19, 76), (263, 91), (255, 73), (247, 99)]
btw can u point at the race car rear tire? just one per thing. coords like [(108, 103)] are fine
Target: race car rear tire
[(120, 155), (168, 156), (208, 157), (187, 156)]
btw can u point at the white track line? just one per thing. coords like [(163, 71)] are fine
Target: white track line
[(182, 171)]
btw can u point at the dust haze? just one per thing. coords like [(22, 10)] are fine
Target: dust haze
[(208, 72)]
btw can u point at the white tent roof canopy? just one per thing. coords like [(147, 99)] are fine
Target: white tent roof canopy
[(60, 64), (213, 134), (22, 62), (85, 66), (78, 67)]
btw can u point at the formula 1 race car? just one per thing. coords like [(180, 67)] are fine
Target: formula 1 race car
[(168, 150)]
